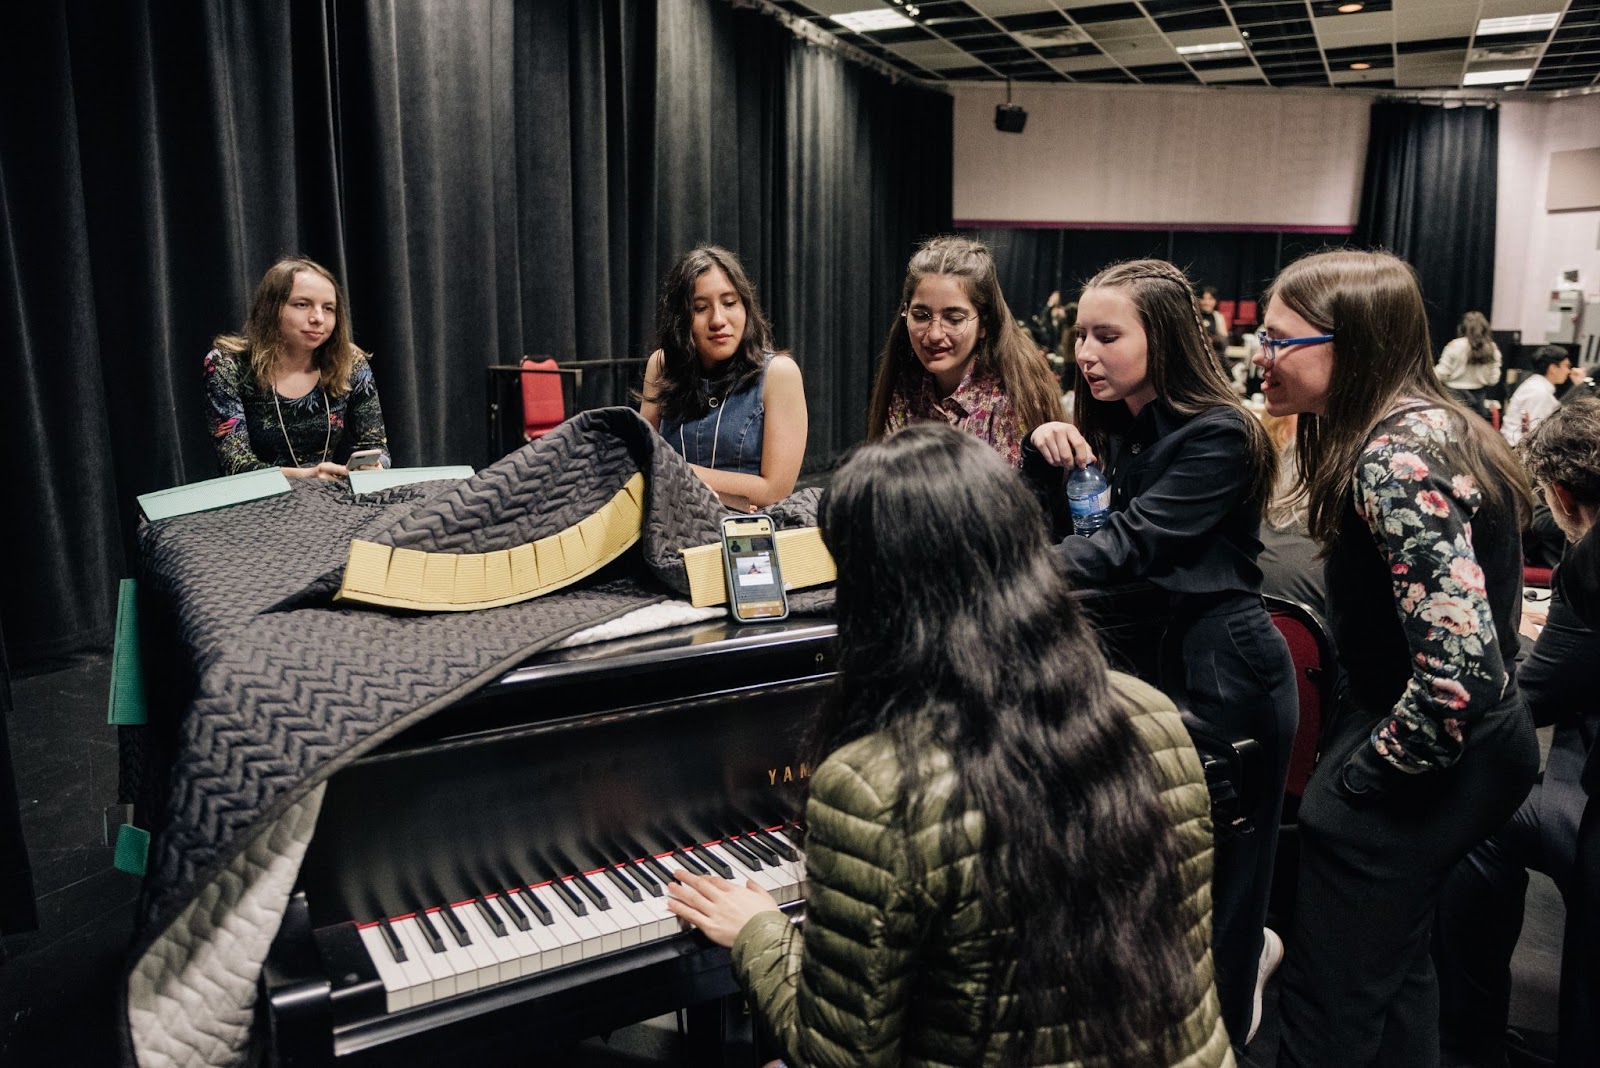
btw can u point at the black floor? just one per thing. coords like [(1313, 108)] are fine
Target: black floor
[(57, 985)]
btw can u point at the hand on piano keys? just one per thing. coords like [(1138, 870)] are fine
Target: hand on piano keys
[(440, 951), (718, 908)]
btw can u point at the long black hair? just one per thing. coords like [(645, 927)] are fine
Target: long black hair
[(957, 632), (684, 390)]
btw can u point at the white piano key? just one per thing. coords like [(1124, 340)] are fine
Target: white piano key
[(640, 918), (765, 877), (458, 958), (577, 943), (551, 949), (612, 937), (594, 936), (503, 966), (444, 979), (529, 954), (397, 986), (650, 913)]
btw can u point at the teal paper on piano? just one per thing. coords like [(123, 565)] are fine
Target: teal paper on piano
[(213, 493), (381, 478)]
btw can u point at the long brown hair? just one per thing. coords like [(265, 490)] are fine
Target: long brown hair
[(1005, 350), (1372, 304), (1480, 342), (1183, 366), (682, 390), (261, 337)]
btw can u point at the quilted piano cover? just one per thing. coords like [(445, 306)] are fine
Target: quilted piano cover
[(288, 688)]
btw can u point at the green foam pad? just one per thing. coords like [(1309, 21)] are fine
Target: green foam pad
[(126, 707), (133, 850), (374, 479), (213, 493)]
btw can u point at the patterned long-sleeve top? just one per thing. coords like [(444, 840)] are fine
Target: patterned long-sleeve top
[(1420, 513), (254, 428), (979, 406)]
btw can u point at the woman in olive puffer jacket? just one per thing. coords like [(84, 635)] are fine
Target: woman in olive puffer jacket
[(1008, 847)]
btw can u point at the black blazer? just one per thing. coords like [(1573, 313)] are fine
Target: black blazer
[(1180, 518)]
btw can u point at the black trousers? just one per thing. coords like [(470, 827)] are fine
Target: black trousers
[(1480, 919), (1358, 985), (1230, 668)]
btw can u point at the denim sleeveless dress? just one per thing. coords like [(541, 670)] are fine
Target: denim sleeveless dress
[(728, 437)]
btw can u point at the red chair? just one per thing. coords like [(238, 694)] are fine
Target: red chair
[(543, 405), (1245, 314), (1311, 650), (1537, 577), (1226, 308)]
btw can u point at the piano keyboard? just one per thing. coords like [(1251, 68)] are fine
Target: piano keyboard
[(441, 951)]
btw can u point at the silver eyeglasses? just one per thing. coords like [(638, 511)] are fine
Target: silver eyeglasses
[(1272, 347), (921, 319)]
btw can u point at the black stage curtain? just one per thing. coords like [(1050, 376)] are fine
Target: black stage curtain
[(1429, 197), (488, 178)]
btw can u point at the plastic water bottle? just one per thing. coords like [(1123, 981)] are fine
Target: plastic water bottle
[(1088, 498)]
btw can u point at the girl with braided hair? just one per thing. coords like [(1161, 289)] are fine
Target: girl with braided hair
[(1190, 473)]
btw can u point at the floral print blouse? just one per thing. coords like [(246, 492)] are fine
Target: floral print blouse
[(1420, 514), (249, 434), (979, 406)]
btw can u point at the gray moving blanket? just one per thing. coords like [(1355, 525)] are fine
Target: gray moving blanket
[(288, 687)]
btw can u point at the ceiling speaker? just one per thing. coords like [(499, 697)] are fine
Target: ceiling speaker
[(1009, 118)]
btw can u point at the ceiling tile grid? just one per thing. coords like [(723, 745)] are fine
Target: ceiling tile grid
[(1540, 45)]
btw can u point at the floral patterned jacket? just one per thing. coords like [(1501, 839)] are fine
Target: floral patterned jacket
[(1420, 514), (979, 406)]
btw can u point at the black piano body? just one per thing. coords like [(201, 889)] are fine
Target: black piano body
[(578, 761)]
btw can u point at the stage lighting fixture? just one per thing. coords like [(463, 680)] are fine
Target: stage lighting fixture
[(1009, 117)]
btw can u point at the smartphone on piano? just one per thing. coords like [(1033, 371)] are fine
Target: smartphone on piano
[(750, 562), (365, 459)]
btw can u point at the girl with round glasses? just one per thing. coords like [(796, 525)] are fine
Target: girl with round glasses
[(1190, 473), (1430, 748), (717, 391), (955, 355), (291, 390)]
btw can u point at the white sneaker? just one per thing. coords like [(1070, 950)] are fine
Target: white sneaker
[(1271, 957)]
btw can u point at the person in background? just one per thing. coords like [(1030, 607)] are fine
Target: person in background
[(1470, 364), (717, 390), (1007, 845), (1216, 326), (1189, 471), (955, 355), (1535, 399), (291, 390), (1480, 910), (1429, 748)]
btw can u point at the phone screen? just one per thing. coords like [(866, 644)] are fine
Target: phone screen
[(750, 560)]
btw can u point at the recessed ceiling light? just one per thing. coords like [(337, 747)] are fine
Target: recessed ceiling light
[(1361, 66), (1203, 49), (1517, 23), (1350, 9), (876, 18), (1497, 77)]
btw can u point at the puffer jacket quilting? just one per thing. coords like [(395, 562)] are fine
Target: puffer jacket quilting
[(892, 969)]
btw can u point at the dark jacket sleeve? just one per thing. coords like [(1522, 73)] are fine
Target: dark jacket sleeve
[(1158, 529), (1557, 678)]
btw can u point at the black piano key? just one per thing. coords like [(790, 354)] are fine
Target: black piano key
[(645, 879), (568, 898), (591, 891), (536, 907), (714, 862), (691, 863), (392, 940), (792, 832), (508, 905), (457, 929), (430, 933), (746, 855), (659, 870), (759, 848), (621, 882), (776, 844), (490, 916)]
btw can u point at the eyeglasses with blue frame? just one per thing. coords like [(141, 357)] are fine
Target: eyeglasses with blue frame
[(1271, 347)]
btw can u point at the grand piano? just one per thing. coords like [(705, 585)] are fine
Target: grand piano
[(493, 877)]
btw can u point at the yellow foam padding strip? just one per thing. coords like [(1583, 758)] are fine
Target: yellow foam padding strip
[(460, 582), (802, 560)]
